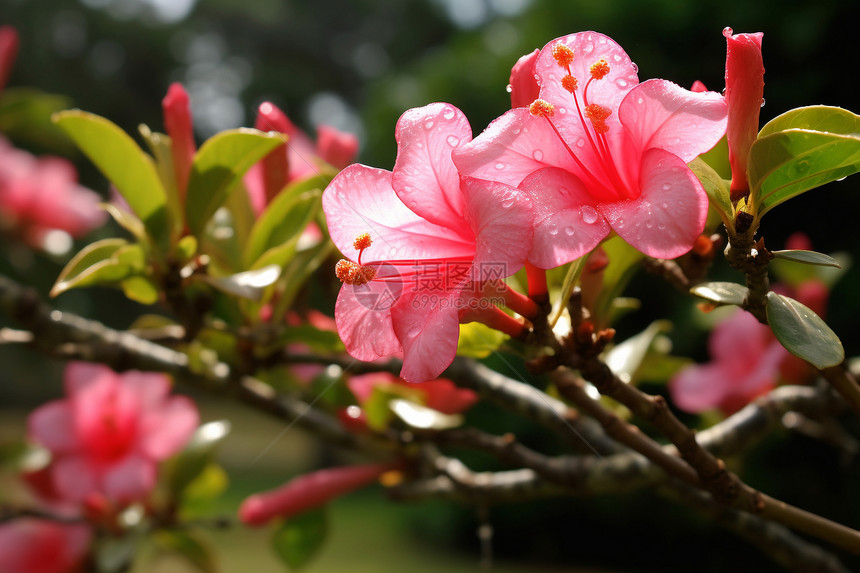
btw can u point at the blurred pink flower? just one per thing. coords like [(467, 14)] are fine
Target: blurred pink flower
[(29, 545), (308, 491), (8, 50), (108, 435), (440, 394), (41, 194), (600, 152), (296, 159)]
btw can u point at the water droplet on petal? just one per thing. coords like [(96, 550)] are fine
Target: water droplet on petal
[(453, 140), (667, 186), (569, 231), (448, 113), (553, 229), (509, 89), (639, 101), (619, 223), (616, 57), (428, 125), (762, 102), (661, 226), (516, 131), (562, 110), (635, 67), (414, 332), (649, 223), (588, 214), (580, 142), (500, 166), (665, 205), (508, 203), (537, 154), (622, 83)]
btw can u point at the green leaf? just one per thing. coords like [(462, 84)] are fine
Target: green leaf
[(185, 467), (716, 189), (87, 266), (298, 540), (25, 114), (297, 272), (140, 289), (478, 340), (124, 163), (807, 258), (721, 292), (219, 164), (126, 220), (281, 225), (624, 359), (422, 417), (800, 150), (161, 148), (187, 543), (186, 248), (802, 332), (571, 277), (23, 457), (318, 339), (250, 284), (718, 159)]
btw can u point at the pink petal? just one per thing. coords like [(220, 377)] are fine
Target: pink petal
[(74, 477), (524, 87), (744, 91), (512, 147), (29, 545), (364, 321), (130, 480), (443, 396), (740, 340), (426, 323), (52, 425), (362, 386), (424, 175), (566, 226), (149, 388), (336, 147), (658, 113), (669, 214), (361, 200), (166, 430), (79, 375), (501, 219), (701, 387)]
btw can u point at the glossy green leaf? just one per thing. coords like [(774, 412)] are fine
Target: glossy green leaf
[(807, 257), (376, 408), (800, 150), (161, 148), (88, 262), (717, 159), (321, 340), (218, 165), (23, 457), (249, 285), (422, 417), (140, 289), (716, 188), (186, 248), (624, 359), (281, 225), (187, 543), (185, 467), (300, 538), (25, 115), (802, 332), (571, 277), (207, 486), (124, 163), (297, 272), (478, 340), (126, 220), (721, 292)]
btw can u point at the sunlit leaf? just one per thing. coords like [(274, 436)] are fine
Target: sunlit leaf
[(282, 223), (249, 284), (185, 467), (85, 266), (161, 148), (624, 359), (124, 163), (126, 220), (815, 117), (571, 277), (478, 340), (716, 189), (218, 165), (721, 292), (422, 417), (802, 332), (807, 257), (318, 339), (21, 457), (299, 539), (196, 551), (140, 289), (25, 115)]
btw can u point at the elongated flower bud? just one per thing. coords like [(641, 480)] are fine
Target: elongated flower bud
[(177, 123), (8, 51)]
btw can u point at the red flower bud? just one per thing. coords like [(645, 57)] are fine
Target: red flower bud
[(177, 123), (8, 51)]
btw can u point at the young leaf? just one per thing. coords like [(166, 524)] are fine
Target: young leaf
[(478, 340), (808, 258), (25, 114), (715, 188), (124, 163), (802, 332), (814, 117), (299, 539), (721, 292), (140, 289), (625, 358), (87, 262), (219, 164), (184, 468), (422, 417), (250, 284), (196, 551)]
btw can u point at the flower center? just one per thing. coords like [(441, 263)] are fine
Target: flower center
[(354, 273), (603, 179)]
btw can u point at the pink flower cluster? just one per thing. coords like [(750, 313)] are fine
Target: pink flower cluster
[(587, 151)]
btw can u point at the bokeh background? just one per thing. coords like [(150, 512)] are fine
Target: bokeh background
[(357, 65)]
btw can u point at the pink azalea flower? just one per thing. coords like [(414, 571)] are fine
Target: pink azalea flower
[(744, 91), (296, 159), (308, 491), (30, 545), (427, 241), (108, 435), (600, 152), (41, 194)]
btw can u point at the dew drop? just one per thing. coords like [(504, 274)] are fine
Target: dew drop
[(414, 332), (553, 229), (562, 110), (508, 88), (453, 140), (649, 223), (622, 83), (500, 166), (667, 186), (661, 226), (665, 205), (619, 223), (639, 101), (428, 125), (616, 57), (580, 142), (516, 131), (508, 203), (762, 102), (392, 251), (635, 67), (569, 231), (448, 113), (588, 214), (537, 154), (842, 178)]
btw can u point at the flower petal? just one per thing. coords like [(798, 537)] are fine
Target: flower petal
[(53, 426), (149, 388), (361, 200), (426, 323), (701, 387), (666, 218), (74, 477), (658, 113), (566, 226), (130, 480), (501, 219), (424, 175), (79, 375), (167, 429), (363, 318)]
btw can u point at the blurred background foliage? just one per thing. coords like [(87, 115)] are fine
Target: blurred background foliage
[(357, 65)]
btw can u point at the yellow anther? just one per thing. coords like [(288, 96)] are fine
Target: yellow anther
[(541, 107), (562, 54), (598, 116), (353, 274), (569, 83), (599, 69), (362, 242)]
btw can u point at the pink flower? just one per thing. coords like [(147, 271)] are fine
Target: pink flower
[(41, 194), (108, 435), (744, 91), (524, 87), (308, 492), (178, 124), (601, 152), (8, 51), (427, 241), (297, 158), (30, 545)]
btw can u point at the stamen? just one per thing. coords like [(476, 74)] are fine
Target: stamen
[(598, 115), (599, 69), (562, 54), (362, 242), (541, 107), (569, 83), (353, 274)]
